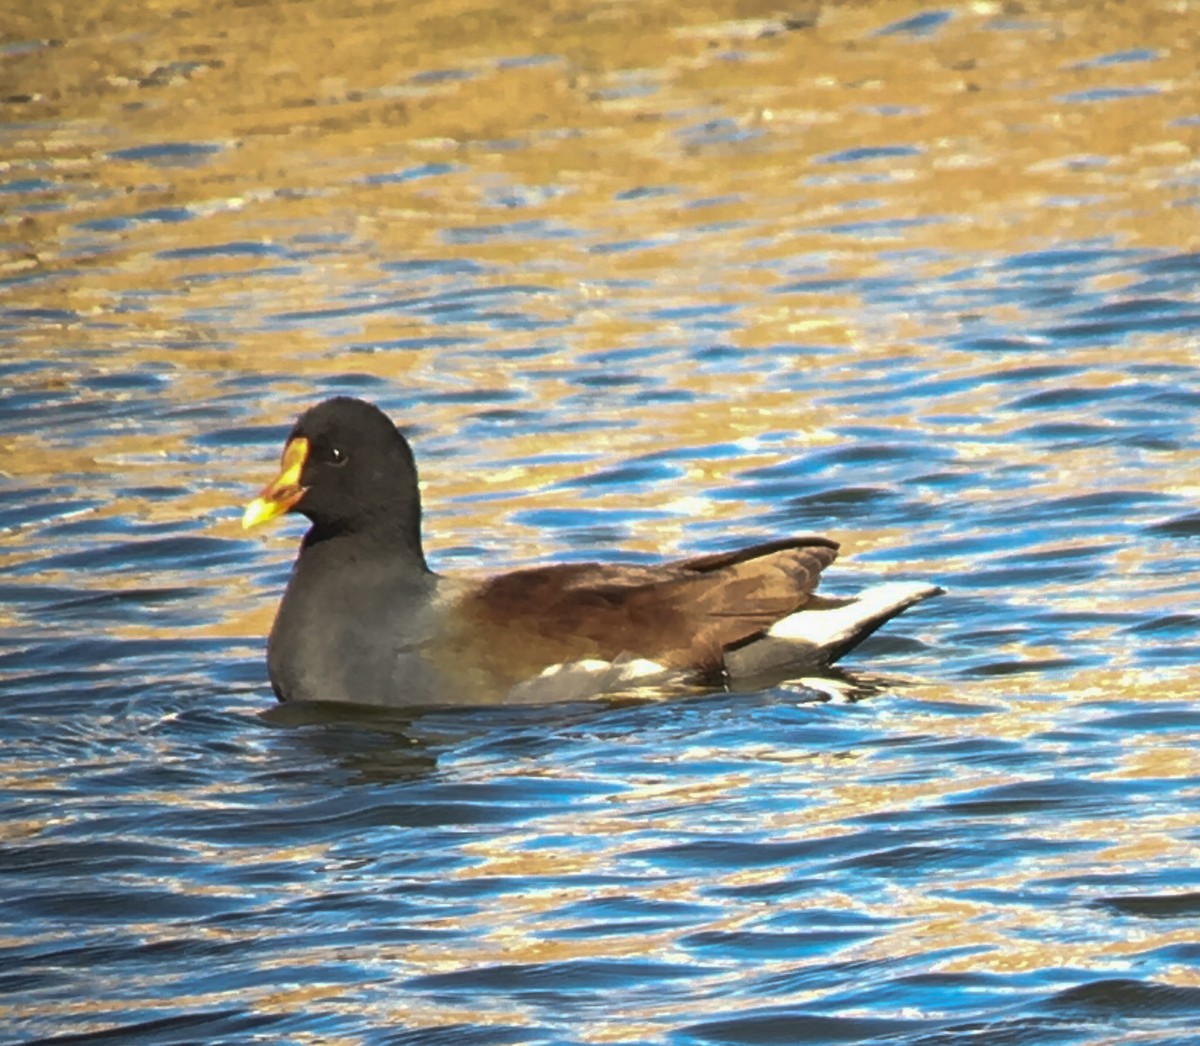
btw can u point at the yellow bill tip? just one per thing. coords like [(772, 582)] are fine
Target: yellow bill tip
[(260, 510), (282, 492)]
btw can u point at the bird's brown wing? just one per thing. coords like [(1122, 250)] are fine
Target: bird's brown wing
[(682, 615)]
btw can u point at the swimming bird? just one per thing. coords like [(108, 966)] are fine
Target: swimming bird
[(364, 619)]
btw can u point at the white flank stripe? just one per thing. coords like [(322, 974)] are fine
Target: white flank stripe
[(590, 677)]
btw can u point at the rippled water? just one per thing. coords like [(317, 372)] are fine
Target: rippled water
[(638, 281)]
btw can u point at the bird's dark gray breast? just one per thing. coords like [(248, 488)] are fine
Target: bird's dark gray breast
[(359, 633)]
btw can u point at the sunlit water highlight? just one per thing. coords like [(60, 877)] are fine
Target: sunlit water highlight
[(638, 281)]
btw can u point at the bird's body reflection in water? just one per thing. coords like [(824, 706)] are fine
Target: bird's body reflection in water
[(377, 744)]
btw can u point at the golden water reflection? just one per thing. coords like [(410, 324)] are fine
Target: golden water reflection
[(346, 176)]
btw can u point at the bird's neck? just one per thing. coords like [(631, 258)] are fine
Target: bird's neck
[(397, 545)]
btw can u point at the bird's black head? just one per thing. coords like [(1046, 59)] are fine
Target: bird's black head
[(351, 472)]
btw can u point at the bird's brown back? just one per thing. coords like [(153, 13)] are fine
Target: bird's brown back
[(682, 615)]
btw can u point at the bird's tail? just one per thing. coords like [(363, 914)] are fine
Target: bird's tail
[(818, 635)]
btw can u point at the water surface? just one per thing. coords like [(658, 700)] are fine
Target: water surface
[(638, 280)]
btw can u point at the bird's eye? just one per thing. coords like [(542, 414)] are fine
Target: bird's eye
[(337, 455)]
